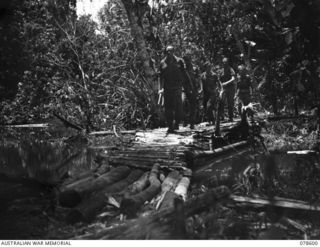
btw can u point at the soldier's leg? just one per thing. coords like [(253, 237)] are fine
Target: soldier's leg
[(211, 109), (169, 109), (230, 101), (221, 102), (185, 106), (204, 105), (192, 109), (178, 110), (240, 104)]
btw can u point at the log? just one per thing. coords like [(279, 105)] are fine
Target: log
[(183, 185), (111, 132), (153, 152), (168, 184), (137, 156), (73, 193), (194, 157), (276, 202), (217, 151), (140, 184), (101, 169), (302, 152), (160, 224), (161, 148), (145, 163), (131, 205), (42, 125), (167, 200), (122, 158), (170, 181), (88, 209)]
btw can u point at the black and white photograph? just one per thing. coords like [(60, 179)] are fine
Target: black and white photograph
[(159, 120)]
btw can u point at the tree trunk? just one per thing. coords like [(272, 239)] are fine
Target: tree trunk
[(135, 12)]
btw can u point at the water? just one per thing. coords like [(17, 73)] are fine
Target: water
[(43, 157), (33, 163)]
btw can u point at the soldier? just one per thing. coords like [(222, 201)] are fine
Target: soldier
[(244, 88), (228, 84), (209, 81), (190, 86), (172, 69)]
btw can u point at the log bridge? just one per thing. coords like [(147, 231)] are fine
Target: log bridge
[(149, 180), (157, 167)]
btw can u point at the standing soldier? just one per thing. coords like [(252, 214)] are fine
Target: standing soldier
[(172, 71), (228, 84), (244, 88), (190, 86), (209, 81)]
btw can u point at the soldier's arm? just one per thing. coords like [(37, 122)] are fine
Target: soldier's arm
[(161, 81), (201, 83), (231, 80)]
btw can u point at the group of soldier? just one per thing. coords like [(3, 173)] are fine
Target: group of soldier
[(216, 86)]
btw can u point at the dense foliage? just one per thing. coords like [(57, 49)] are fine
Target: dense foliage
[(92, 73)]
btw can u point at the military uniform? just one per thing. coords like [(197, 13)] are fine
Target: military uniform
[(210, 93), (171, 73), (190, 89), (228, 92), (244, 93)]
